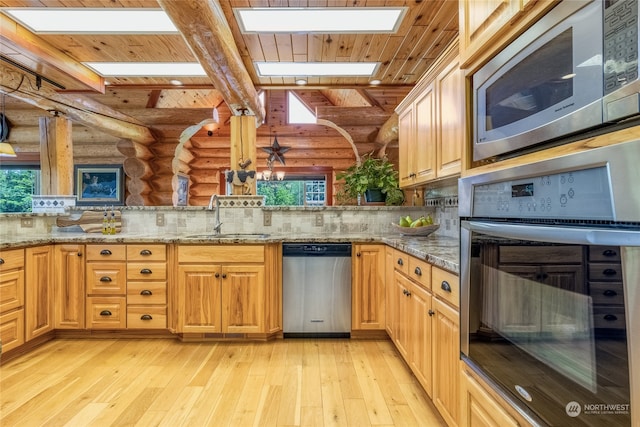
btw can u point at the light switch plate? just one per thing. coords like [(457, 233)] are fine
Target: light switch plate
[(26, 222), (160, 219), (319, 220), (266, 219)]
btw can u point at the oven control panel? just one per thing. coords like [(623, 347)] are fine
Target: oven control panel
[(577, 194)]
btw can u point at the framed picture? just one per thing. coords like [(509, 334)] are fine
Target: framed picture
[(99, 185), (183, 190)]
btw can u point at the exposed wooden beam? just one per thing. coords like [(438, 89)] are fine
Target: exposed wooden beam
[(206, 30), (35, 54), (80, 110), (353, 116)]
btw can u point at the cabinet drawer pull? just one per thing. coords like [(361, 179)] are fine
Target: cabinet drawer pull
[(445, 286), (610, 317), (224, 275), (1, 261), (609, 272), (145, 252), (431, 312), (404, 292), (145, 271), (609, 252), (400, 262), (105, 279), (357, 254), (609, 293), (146, 317), (146, 292), (105, 252), (216, 275), (79, 254), (418, 271), (105, 313)]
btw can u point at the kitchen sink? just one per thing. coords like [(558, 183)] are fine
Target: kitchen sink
[(229, 236)]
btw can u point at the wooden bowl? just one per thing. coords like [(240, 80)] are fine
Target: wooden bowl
[(425, 230)]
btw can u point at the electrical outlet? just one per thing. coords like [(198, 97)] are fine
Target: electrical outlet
[(160, 219), (266, 219), (26, 222), (319, 220)]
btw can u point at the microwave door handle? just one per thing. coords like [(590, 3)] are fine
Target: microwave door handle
[(556, 234)]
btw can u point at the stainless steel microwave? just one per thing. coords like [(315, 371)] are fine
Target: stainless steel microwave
[(573, 70)]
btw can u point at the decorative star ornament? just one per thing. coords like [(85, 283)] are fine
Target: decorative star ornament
[(276, 152)]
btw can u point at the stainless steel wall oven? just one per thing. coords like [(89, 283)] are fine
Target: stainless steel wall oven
[(550, 285)]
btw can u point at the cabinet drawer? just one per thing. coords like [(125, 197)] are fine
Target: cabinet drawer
[(147, 292), (106, 312), (446, 286), (12, 330), (11, 290), (221, 253), (609, 317), (11, 260), (604, 253), (606, 293), (106, 278), (420, 271), (605, 271), (146, 270), (146, 317), (146, 252), (106, 253), (401, 261)]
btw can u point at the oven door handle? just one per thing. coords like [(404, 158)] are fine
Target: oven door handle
[(556, 233)]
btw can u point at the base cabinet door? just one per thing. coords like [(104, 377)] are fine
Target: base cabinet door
[(199, 298), (368, 288), (243, 298), (446, 357), (420, 319), (69, 286), (479, 409), (39, 299)]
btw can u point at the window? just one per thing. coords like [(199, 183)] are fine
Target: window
[(17, 185), (298, 112), (294, 190)]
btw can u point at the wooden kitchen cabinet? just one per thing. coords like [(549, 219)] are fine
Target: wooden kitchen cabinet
[(221, 289), (146, 286), (106, 281), (487, 25), (446, 356), (12, 298), (410, 302), (368, 287), (39, 291), (431, 124), (479, 408), (69, 294)]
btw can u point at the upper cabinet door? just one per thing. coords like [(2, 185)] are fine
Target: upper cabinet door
[(486, 25)]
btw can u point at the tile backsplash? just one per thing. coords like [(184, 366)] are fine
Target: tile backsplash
[(249, 216)]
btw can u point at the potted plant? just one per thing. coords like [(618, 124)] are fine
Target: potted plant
[(372, 174)]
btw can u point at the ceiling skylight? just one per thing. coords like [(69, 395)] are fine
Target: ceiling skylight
[(296, 69), (147, 69), (92, 21), (320, 20)]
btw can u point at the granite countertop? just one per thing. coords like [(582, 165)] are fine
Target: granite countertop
[(439, 251)]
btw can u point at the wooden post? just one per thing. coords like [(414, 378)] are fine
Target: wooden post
[(56, 156), (243, 147)]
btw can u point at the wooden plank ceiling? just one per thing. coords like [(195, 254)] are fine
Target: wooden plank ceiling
[(427, 28)]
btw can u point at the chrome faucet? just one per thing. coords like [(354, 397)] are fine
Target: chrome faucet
[(217, 225)]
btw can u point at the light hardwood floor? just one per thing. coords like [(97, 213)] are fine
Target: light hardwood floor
[(126, 382)]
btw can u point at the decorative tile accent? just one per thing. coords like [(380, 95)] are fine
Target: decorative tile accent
[(241, 201), (442, 202), (51, 204)]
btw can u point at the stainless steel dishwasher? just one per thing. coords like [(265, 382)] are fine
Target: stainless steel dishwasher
[(316, 281)]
